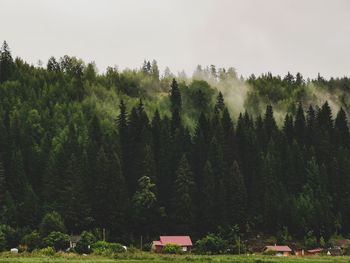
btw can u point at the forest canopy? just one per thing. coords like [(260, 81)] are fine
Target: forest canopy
[(140, 152)]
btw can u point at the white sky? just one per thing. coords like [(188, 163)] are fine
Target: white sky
[(254, 36)]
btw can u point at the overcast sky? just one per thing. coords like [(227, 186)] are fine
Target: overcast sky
[(254, 36)]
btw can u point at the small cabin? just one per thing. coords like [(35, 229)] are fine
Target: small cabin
[(280, 250), (184, 242)]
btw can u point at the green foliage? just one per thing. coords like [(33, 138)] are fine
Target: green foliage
[(270, 253), (32, 241), (106, 248), (172, 249), (3, 242), (51, 222), (211, 244), (11, 236), (57, 240), (310, 240), (106, 151), (47, 251), (85, 242), (283, 236)]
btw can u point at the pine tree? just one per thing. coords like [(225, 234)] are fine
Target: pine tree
[(270, 127), (235, 196), (220, 104), (145, 207), (149, 165), (110, 193), (300, 125), (342, 135), (206, 201), (175, 97), (183, 217), (288, 128), (6, 63), (76, 212)]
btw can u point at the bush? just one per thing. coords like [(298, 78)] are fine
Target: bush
[(270, 253), (48, 251), (2, 241), (84, 244), (172, 249), (11, 236), (211, 244), (310, 240), (52, 222), (57, 240), (106, 248), (32, 241)]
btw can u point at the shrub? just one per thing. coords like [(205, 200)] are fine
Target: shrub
[(84, 244), (11, 236), (106, 248), (52, 222), (2, 241), (310, 240), (57, 240), (270, 252), (47, 251), (32, 241), (172, 249), (211, 244)]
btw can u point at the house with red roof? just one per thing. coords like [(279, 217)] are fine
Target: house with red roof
[(183, 241), (280, 250)]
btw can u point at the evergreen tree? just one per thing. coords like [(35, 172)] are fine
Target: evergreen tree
[(76, 213), (183, 217), (206, 201), (110, 193), (144, 204), (342, 135), (300, 125), (236, 196), (220, 104), (175, 97), (6, 63)]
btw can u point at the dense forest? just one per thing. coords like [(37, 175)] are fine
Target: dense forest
[(139, 152)]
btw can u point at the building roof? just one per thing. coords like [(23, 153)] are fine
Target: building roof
[(315, 250), (157, 243), (278, 248), (179, 240)]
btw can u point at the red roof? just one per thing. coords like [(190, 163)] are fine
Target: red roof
[(315, 250), (179, 240), (157, 243), (278, 248)]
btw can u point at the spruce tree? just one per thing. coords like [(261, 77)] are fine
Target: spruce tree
[(6, 63), (220, 104), (111, 201), (175, 97), (206, 201), (145, 207), (342, 136), (235, 196), (183, 214), (300, 125)]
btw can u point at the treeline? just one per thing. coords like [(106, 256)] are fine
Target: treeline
[(139, 154)]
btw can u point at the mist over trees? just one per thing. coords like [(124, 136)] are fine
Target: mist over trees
[(138, 152)]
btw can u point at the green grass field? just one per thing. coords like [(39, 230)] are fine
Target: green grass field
[(146, 257)]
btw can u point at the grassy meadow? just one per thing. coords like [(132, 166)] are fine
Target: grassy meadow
[(148, 257)]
